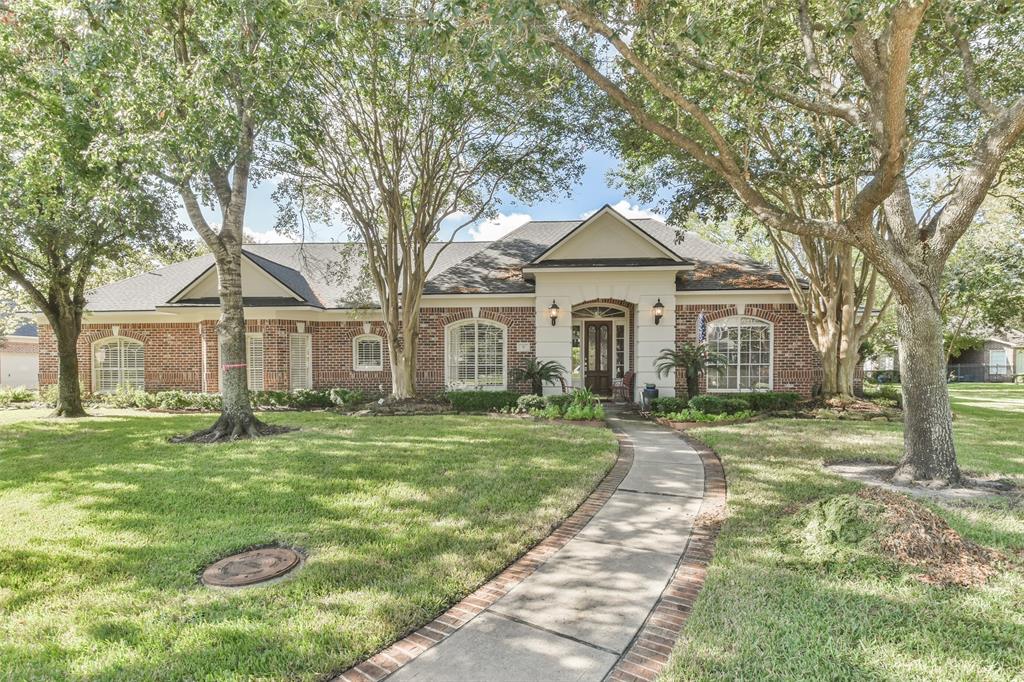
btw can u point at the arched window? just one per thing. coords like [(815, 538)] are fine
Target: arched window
[(118, 362), (475, 355), (368, 353), (744, 345)]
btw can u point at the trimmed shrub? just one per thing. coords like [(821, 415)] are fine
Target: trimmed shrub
[(343, 397), (690, 415), (559, 401), (771, 400), (577, 412), (668, 404), (481, 401), (713, 404), (529, 403)]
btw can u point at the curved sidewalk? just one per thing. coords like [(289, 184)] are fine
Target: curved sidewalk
[(603, 597)]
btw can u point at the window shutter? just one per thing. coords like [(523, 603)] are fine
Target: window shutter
[(254, 361), (300, 365)]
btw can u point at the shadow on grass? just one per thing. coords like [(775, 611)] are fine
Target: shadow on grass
[(767, 611), (401, 517)]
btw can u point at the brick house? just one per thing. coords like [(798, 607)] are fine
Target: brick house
[(602, 296)]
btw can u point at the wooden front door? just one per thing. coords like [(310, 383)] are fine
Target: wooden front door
[(597, 352)]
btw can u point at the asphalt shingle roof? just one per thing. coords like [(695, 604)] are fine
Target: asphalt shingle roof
[(330, 275), (325, 275)]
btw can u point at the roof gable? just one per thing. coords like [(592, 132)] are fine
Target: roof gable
[(261, 278), (606, 234)]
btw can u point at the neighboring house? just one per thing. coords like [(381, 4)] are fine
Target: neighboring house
[(603, 296), (19, 357), (999, 358)]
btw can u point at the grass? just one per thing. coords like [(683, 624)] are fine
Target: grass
[(106, 526), (768, 611)]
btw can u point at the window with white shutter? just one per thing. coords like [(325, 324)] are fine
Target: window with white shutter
[(475, 355), (300, 361), (368, 353), (118, 362), (254, 360)]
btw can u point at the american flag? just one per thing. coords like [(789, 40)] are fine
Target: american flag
[(702, 328)]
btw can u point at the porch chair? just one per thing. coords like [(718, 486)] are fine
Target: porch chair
[(622, 387)]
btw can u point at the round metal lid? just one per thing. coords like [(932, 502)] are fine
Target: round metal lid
[(251, 567)]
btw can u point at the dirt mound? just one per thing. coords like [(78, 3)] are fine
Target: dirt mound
[(878, 524), (916, 536)]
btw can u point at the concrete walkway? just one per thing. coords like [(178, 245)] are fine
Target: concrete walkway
[(576, 615)]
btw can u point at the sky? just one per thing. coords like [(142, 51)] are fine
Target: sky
[(591, 193)]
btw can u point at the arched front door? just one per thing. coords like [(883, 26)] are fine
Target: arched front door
[(597, 354)]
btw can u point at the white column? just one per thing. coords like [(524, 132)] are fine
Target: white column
[(554, 341), (651, 339)]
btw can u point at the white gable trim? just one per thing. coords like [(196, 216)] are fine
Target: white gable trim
[(212, 272), (603, 211)]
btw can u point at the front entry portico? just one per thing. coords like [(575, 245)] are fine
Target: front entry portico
[(601, 349)]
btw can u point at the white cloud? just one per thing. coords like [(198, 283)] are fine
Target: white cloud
[(629, 210), (498, 226), (270, 237)]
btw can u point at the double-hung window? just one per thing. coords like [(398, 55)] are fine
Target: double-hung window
[(741, 349)]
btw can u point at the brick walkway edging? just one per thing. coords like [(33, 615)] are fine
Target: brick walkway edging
[(649, 651), (390, 659)]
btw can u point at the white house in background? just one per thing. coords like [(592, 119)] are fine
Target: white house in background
[(602, 296), (19, 358)]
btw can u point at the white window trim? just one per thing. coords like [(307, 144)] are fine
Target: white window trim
[(449, 382), (723, 321), (308, 338), (355, 353), (95, 366)]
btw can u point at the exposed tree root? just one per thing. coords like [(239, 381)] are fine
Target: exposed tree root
[(68, 413), (230, 428)]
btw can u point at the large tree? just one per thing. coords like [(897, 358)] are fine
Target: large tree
[(914, 86), (406, 127), (73, 194), (212, 81)]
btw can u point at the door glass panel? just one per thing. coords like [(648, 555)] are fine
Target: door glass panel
[(591, 347), (604, 343)]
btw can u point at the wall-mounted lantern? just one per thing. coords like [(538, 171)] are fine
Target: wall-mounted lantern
[(553, 313), (659, 311)]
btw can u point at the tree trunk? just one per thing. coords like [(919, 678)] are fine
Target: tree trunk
[(236, 418), (403, 372), (838, 366), (66, 329), (928, 450), (692, 385)]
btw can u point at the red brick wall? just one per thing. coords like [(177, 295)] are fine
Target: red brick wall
[(174, 351), (521, 323), (173, 357), (796, 364)]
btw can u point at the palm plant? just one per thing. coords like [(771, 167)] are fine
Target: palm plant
[(539, 373), (694, 359)]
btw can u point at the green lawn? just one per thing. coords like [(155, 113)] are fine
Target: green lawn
[(105, 527), (767, 611)]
